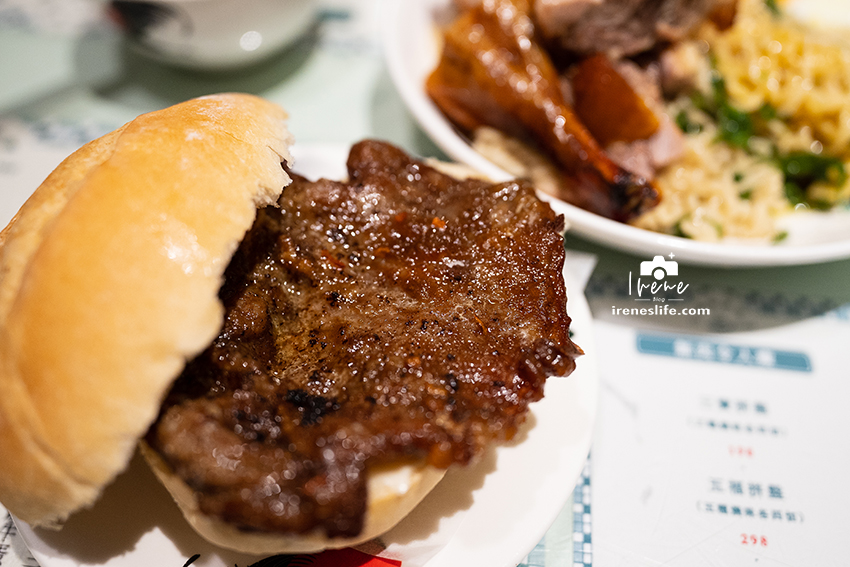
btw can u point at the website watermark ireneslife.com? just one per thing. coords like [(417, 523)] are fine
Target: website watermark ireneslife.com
[(660, 310), (656, 285)]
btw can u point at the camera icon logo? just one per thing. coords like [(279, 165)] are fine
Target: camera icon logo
[(659, 268)]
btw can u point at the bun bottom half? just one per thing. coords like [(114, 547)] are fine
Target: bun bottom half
[(393, 493)]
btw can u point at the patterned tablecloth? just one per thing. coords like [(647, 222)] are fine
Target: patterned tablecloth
[(722, 434)]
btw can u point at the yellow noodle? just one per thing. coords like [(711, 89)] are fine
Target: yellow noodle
[(802, 72)]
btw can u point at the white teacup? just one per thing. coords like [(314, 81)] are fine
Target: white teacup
[(213, 34)]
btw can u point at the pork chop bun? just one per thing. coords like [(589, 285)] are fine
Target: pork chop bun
[(109, 283)]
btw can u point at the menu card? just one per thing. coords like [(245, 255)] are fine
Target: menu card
[(723, 449)]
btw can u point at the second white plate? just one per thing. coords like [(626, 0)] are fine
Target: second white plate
[(411, 46)]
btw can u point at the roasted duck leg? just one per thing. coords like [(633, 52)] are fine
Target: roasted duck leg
[(493, 73)]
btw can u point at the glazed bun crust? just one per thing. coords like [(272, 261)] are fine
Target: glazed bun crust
[(109, 280)]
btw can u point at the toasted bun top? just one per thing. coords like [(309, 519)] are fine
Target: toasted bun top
[(109, 277)]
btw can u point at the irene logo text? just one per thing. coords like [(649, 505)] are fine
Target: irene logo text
[(658, 269)]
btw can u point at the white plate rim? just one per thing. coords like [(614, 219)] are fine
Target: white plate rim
[(396, 37), (556, 457)]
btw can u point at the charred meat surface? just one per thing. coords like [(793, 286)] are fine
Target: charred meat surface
[(401, 315)]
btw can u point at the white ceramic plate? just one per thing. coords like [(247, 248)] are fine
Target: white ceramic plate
[(490, 514), (411, 42)]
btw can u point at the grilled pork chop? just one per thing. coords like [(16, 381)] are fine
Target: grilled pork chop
[(401, 315)]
